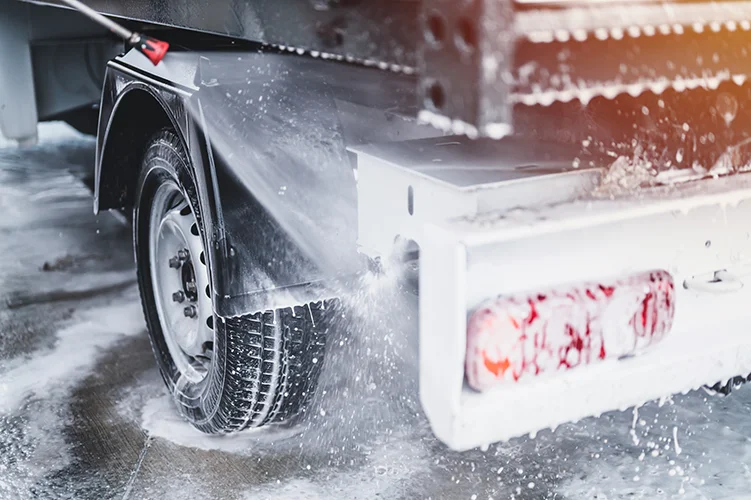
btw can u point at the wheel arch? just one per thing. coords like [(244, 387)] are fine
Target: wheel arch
[(137, 114)]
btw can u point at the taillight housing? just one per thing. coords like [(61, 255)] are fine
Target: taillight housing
[(513, 337)]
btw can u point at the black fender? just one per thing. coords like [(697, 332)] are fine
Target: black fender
[(138, 100)]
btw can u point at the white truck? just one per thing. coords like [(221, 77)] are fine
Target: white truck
[(567, 177)]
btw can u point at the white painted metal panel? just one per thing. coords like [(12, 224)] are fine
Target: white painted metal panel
[(469, 254)]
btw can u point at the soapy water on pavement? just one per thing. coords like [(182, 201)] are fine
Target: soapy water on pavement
[(34, 447), (43, 357)]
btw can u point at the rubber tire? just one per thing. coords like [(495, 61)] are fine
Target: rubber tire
[(265, 365)]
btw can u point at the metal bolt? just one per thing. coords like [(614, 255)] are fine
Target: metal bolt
[(191, 287), (178, 296), (190, 311), (174, 263), (183, 255)]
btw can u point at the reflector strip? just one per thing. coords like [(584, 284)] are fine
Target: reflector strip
[(512, 337)]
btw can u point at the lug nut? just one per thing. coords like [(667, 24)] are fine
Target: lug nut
[(190, 311), (191, 287), (174, 263), (183, 255), (178, 296)]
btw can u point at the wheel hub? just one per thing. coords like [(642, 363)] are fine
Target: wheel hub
[(189, 280), (181, 284)]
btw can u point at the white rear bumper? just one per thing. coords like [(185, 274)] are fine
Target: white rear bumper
[(474, 245)]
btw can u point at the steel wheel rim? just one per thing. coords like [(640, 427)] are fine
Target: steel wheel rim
[(180, 281)]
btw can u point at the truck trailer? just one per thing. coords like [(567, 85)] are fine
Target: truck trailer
[(561, 182)]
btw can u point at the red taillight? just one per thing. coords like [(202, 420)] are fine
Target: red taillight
[(512, 337)]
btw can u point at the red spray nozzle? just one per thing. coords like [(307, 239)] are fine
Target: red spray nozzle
[(152, 48)]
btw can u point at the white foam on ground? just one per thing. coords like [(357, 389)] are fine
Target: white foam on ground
[(40, 385), (35, 387), (712, 460), (161, 419), (76, 350)]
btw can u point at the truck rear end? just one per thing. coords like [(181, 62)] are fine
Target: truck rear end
[(534, 314)]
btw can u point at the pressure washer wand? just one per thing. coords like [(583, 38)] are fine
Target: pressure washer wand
[(152, 48)]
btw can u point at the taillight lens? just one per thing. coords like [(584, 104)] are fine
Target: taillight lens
[(512, 337)]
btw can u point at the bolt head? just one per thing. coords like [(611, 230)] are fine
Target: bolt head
[(191, 287), (183, 254), (178, 296), (190, 311), (175, 263)]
